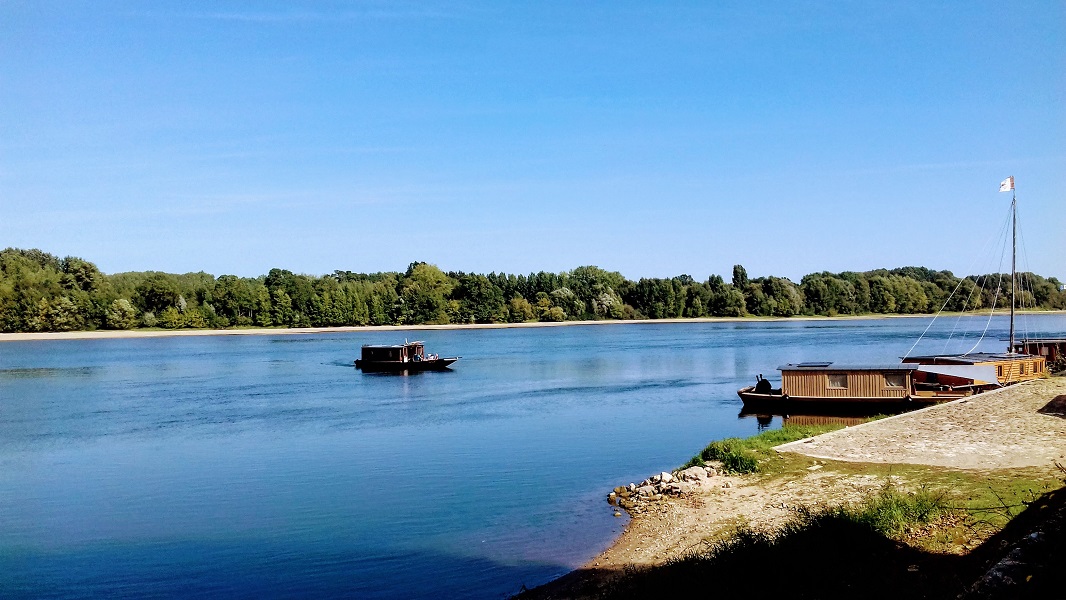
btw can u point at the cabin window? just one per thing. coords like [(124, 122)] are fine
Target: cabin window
[(999, 370), (838, 381), (895, 380)]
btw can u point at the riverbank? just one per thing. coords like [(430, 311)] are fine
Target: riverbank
[(995, 452), (150, 333)]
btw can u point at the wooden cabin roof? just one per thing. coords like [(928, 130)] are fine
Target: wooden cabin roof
[(394, 345), (830, 366), (968, 359)]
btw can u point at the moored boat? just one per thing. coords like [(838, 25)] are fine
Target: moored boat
[(1017, 364), (1010, 367), (917, 380), (1053, 349), (408, 357), (826, 384)]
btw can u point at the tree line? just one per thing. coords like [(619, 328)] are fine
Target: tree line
[(41, 292)]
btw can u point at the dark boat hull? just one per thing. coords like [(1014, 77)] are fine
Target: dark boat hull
[(413, 366), (776, 399)]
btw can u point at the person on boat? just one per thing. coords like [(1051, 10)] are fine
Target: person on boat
[(762, 386)]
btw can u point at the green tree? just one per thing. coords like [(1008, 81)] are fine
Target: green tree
[(882, 298), (157, 293), (567, 300), (281, 306), (725, 300), (480, 300), (424, 293), (740, 277), (170, 318), (122, 315), (520, 310)]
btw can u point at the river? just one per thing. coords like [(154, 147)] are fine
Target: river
[(267, 466)]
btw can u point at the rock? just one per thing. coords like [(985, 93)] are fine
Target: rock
[(612, 498), (673, 489), (646, 491), (632, 487), (665, 477), (652, 480), (814, 467), (617, 514), (727, 485), (692, 474), (711, 471), (689, 487)]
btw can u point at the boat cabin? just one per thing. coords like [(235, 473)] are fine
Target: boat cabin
[(829, 381), (407, 352), (1009, 368), (1052, 349)]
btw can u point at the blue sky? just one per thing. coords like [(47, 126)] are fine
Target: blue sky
[(649, 138)]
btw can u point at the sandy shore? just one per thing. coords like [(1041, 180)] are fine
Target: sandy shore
[(148, 333), (991, 432)]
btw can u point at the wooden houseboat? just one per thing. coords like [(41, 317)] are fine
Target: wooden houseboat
[(827, 384), (1009, 367), (409, 357), (1022, 361)]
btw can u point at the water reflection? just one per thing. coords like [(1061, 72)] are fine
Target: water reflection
[(847, 417)]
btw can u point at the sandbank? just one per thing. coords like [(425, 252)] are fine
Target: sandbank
[(149, 333)]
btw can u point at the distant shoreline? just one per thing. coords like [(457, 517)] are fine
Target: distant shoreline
[(103, 334)]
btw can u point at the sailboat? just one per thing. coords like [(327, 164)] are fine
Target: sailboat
[(1015, 364), (917, 380)]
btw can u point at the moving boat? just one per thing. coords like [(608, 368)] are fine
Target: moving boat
[(409, 357), (892, 385)]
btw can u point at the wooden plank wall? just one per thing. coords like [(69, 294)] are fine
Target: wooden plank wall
[(863, 384), (1034, 369)]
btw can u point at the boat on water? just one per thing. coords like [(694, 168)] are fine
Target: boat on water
[(1021, 362), (815, 385), (1008, 367), (408, 357), (916, 380)]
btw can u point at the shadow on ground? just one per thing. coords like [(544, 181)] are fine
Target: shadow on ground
[(830, 558)]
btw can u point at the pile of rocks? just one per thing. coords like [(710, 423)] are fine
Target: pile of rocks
[(678, 483)]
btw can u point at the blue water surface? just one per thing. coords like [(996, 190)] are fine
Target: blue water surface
[(267, 466)]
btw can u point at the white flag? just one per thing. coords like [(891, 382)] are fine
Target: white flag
[(1007, 184)]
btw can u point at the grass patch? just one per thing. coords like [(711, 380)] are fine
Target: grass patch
[(892, 512), (747, 455)]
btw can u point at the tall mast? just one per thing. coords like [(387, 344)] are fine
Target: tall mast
[(1013, 261)]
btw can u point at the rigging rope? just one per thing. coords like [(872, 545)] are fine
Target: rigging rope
[(988, 248)]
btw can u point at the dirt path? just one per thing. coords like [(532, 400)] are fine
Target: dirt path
[(998, 430)]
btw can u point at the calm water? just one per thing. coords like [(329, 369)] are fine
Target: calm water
[(266, 466)]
